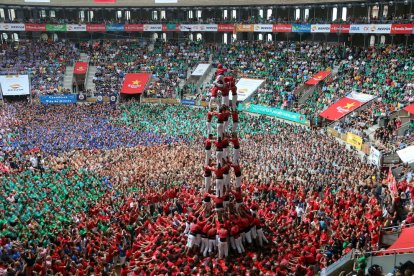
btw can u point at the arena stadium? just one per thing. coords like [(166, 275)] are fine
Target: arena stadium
[(181, 137)]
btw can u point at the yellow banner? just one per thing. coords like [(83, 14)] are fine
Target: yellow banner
[(354, 140), (244, 28)]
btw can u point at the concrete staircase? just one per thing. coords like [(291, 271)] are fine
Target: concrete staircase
[(89, 79), (68, 78), (84, 57)]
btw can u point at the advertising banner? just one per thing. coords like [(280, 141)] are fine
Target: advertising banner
[(80, 68), (56, 27), (282, 28), (37, 1), (12, 27), (407, 155), (402, 28), (301, 28), (170, 27), (320, 76), (345, 106), (370, 28), (200, 70), (15, 85), (321, 28), (35, 27), (211, 28), (135, 83), (58, 99), (112, 99), (340, 28), (134, 27), (105, 1), (152, 27), (188, 102), (99, 99), (225, 28), (115, 27), (243, 28), (354, 140), (374, 157), (246, 87), (264, 28), (81, 97), (95, 28), (275, 112), (76, 27)]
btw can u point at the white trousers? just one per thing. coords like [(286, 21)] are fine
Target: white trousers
[(208, 128), (239, 245), (225, 100), (261, 237), (207, 183), (234, 127), (238, 181), (220, 128), (219, 157), (204, 246), (219, 187), (223, 249), (234, 102), (226, 179), (236, 155), (225, 126), (212, 245), (208, 156)]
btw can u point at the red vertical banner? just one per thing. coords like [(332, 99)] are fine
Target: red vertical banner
[(135, 83), (80, 68)]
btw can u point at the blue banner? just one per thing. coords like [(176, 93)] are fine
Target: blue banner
[(188, 102), (301, 28), (115, 28), (58, 99), (275, 112), (112, 99)]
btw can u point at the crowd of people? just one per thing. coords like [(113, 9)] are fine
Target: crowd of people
[(99, 198)]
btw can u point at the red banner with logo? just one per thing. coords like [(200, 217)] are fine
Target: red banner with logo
[(135, 83), (134, 27), (35, 27), (95, 28), (225, 28), (320, 76), (340, 28), (402, 28), (80, 68), (282, 28), (340, 109)]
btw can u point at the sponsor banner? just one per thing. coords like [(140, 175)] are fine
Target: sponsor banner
[(13, 27), (152, 27), (134, 27), (115, 27), (81, 97), (265, 28), (340, 28), (225, 28), (58, 99), (320, 28), (374, 157), (15, 85), (246, 87), (80, 68), (135, 83), (188, 102), (200, 70), (275, 112), (354, 140), (76, 27), (166, 1), (95, 28), (105, 1), (345, 106), (282, 28), (370, 28), (320, 76), (407, 155), (99, 99), (170, 27), (301, 28), (35, 27), (211, 28), (198, 28), (160, 101), (243, 28), (37, 1), (56, 27), (402, 28)]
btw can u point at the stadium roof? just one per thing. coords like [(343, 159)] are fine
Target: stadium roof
[(152, 3)]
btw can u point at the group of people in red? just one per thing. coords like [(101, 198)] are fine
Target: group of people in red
[(223, 221)]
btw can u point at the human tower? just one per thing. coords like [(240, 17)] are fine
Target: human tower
[(223, 220)]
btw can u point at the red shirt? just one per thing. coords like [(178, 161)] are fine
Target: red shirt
[(223, 233), (209, 116), (219, 145), (235, 142), (235, 116)]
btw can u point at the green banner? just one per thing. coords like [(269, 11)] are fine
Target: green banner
[(171, 27), (275, 112), (56, 27)]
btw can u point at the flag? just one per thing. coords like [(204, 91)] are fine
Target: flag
[(320, 76), (80, 68), (345, 105), (135, 83)]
